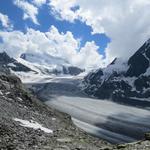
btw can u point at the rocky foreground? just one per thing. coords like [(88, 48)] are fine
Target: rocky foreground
[(21, 112)]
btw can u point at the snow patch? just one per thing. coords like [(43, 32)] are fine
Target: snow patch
[(7, 93), (1, 92), (33, 124), (11, 65), (147, 73)]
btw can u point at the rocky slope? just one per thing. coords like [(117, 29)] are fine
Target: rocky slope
[(123, 81), (26, 123)]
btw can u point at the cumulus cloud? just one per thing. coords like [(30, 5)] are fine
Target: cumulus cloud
[(5, 21), (88, 56), (29, 10), (126, 22), (39, 3), (54, 43), (10, 42), (64, 9)]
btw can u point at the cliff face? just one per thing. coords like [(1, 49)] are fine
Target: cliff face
[(123, 81), (139, 63)]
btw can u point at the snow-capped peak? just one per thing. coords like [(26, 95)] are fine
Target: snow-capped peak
[(43, 59)]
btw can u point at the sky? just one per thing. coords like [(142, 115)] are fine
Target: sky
[(88, 34)]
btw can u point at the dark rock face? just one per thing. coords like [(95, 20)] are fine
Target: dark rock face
[(5, 59), (94, 77), (7, 63), (19, 67), (23, 56), (142, 82), (121, 85), (140, 61), (137, 67), (72, 70), (147, 136)]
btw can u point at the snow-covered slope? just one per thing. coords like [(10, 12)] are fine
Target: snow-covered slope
[(43, 59), (122, 80), (48, 65)]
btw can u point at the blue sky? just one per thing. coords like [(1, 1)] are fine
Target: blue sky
[(61, 26), (79, 29)]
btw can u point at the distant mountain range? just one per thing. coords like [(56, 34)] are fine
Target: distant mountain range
[(48, 64), (123, 81), (37, 65)]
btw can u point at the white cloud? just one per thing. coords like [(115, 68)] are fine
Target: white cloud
[(58, 44), (63, 9), (30, 11), (126, 22), (14, 43), (39, 2), (5, 21), (89, 56)]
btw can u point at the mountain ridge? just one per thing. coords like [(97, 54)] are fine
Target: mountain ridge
[(34, 67), (122, 81), (10, 63)]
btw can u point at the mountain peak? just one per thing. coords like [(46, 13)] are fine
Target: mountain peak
[(43, 59), (113, 62), (140, 61), (7, 63), (5, 58)]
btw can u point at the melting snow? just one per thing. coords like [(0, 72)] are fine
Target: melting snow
[(33, 124), (1, 93)]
